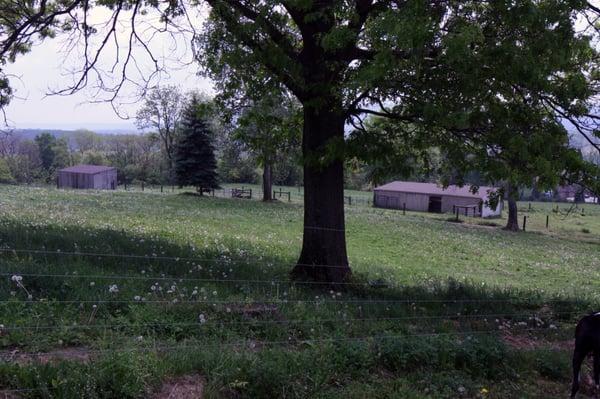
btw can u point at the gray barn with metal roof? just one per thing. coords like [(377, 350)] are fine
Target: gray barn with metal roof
[(431, 197), (88, 177)]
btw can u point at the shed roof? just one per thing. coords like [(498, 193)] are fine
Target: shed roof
[(87, 169), (435, 189)]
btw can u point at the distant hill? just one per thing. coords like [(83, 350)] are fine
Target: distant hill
[(29, 134)]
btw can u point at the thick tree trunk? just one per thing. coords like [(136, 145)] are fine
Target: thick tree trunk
[(513, 221), (267, 182), (323, 256)]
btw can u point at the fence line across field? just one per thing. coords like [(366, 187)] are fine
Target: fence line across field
[(220, 262), (372, 284), (248, 193), (175, 278), (279, 322), (175, 301), (301, 341), (161, 258)]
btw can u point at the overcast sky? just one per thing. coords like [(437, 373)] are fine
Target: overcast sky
[(45, 69)]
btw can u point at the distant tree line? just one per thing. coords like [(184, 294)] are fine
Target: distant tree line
[(150, 156)]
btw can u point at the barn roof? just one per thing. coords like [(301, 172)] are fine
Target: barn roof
[(435, 189), (87, 169)]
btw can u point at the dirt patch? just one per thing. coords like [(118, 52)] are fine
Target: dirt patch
[(77, 354), (257, 311), (530, 343), (185, 387)]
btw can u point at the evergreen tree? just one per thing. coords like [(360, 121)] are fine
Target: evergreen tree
[(195, 163)]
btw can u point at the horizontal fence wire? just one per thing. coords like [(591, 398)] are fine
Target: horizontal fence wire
[(291, 194), (290, 301), (173, 278), (377, 284), (281, 322), (221, 262), (160, 257), (301, 341)]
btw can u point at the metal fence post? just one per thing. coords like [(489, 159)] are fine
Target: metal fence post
[(524, 222), (547, 220)]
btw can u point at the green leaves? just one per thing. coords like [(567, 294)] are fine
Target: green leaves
[(270, 127)]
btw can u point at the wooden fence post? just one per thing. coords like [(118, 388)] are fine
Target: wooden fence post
[(161, 188), (404, 208)]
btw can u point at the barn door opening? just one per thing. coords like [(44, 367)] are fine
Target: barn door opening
[(435, 204)]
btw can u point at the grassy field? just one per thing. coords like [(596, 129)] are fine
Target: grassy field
[(113, 294)]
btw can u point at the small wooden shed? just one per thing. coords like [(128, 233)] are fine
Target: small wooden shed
[(431, 197), (88, 177)]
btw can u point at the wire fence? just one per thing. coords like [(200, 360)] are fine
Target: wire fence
[(247, 192), (246, 323), (7, 253)]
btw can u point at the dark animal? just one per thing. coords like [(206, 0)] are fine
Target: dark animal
[(587, 340)]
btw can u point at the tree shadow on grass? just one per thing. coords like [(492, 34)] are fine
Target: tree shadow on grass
[(62, 262)]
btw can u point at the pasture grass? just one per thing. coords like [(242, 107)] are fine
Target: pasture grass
[(200, 285)]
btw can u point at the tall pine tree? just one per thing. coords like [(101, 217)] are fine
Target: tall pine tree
[(195, 163)]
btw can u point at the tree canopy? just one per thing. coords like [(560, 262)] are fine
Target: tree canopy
[(270, 128), (161, 111), (448, 68)]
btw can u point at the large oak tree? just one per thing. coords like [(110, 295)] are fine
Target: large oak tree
[(428, 62)]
